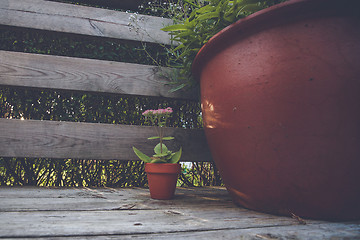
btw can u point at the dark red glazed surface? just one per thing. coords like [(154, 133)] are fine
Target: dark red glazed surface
[(281, 109)]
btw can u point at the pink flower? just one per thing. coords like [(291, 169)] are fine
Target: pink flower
[(159, 111), (146, 112)]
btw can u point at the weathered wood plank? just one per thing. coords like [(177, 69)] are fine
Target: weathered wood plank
[(69, 18), (127, 222), (103, 199), (322, 231), (115, 4), (195, 213), (52, 139), (66, 73), (180, 214)]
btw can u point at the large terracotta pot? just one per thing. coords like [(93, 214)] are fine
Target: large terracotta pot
[(280, 94), (162, 179)]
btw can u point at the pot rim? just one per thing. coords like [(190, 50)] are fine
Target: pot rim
[(162, 168), (269, 17)]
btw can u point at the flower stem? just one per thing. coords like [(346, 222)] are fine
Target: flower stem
[(161, 138)]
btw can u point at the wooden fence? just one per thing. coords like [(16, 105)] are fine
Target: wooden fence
[(52, 139)]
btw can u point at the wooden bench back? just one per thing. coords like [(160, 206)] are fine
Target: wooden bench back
[(53, 139)]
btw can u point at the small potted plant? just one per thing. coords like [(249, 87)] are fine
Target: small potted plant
[(280, 100), (162, 168)]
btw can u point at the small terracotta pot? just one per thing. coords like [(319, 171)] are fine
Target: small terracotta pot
[(162, 179)]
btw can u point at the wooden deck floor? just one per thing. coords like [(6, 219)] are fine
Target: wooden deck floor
[(107, 213)]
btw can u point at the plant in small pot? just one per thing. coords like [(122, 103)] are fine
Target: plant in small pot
[(280, 101), (162, 168)]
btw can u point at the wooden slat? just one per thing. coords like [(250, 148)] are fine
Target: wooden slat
[(52, 139), (115, 4), (66, 73), (62, 17)]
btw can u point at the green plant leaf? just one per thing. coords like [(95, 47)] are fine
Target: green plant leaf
[(252, 8), (251, 2), (178, 87), (176, 157), (205, 9), (177, 27), (178, 48), (157, 148), (141, 155), (155, 137), (191, 3), (162, 155), (158, 160), (169, 156), (208, 16), (168, 138)]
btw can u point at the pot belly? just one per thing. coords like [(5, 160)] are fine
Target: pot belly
[(281, 113)]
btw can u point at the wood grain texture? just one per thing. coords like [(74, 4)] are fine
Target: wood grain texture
[(78, 74), (115, 4), (69, 18), (113, 213), (91, 199), (52, 139)]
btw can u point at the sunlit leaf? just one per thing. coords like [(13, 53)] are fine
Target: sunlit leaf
[(141, 155), (158, 160), (178, 27), (155, 137), (168, 138), (176, 157), (158, 148)]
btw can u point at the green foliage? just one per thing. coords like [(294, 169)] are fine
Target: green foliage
[(71, 172), (200, 174), (162, 155), (203, 22)]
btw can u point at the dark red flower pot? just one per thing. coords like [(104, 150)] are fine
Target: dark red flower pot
[(162, 179), (280, 94)]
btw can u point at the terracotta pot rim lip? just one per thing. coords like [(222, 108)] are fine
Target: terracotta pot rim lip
[(163, 168), (163, 164), (265, 15)]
